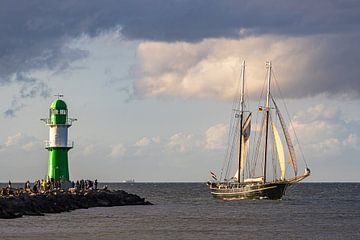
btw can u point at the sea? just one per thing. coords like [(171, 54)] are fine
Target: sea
[(188, 211)]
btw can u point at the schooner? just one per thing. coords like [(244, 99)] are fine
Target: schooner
[(262, 179)]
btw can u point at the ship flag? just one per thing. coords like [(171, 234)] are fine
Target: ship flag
[(213, 175)]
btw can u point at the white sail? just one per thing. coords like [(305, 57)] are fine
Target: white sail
[(245, 143), (236, 175), (243, 158), (243, 155), (280, 151)]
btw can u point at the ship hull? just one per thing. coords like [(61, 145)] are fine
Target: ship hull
[(272, 191)]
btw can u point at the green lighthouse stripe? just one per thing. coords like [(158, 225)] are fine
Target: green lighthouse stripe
[(58, 167)]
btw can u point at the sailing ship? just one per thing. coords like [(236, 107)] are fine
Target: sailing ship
[(268, 154)]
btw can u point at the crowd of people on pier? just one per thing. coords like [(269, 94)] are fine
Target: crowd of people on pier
[(50, 184)]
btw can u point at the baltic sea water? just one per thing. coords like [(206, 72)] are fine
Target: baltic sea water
[(187, 211)]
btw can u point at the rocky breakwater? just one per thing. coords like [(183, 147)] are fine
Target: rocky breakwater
[(38, 204)]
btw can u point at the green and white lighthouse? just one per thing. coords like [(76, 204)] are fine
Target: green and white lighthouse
[(58, 144)]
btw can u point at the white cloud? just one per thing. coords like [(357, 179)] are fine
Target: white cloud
[(22, 141), (143, 142), (353, 141), (146, 141), (181, 142), (13, 140), (211, 67), (323, 131), (88, 150), (215, 137), (318, 112), (329, 146), (156, 139), (147, 146), (28, 146), (117, 150)]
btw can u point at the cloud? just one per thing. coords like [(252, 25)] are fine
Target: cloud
[(352, 141), (146, 141), (211, 68), (11, 111), (22, 141), (323, 131), (181, 142), (117, 151), (29, 88), (29, 146), (142, 142), (88, 150), (215, 137), (318, 113), (315, 44), (37, 33), (156, 139), (13, 140)]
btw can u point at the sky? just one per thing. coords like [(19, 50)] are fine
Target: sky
[(151, 83)]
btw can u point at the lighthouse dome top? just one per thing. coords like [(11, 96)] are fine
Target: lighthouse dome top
[(58, 104)]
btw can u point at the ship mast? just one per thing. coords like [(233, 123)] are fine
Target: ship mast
[(241, 116), (268, 64)]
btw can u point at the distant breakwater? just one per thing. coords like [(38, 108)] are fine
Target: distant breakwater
[(24, 203)]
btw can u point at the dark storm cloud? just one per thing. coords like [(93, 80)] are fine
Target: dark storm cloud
[(29, 88), (34, 33), (334, 70)]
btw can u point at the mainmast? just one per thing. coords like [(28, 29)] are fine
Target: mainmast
[(241, 116), (268, 65)]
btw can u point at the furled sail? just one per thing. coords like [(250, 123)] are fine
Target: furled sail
[(280, 151), (292, 157), (245, 143)]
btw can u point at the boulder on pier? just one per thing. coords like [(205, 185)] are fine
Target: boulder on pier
[(25, 203)]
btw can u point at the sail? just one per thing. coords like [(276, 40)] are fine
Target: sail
[(243, 155), (247, 128), (292, 157), (280, 151), (245, 143), (243, 158)]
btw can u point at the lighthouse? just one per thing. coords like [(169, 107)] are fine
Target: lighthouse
[(58, 144)]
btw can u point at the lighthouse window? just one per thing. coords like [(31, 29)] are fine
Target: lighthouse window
[(54, 111), (62, 112)]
